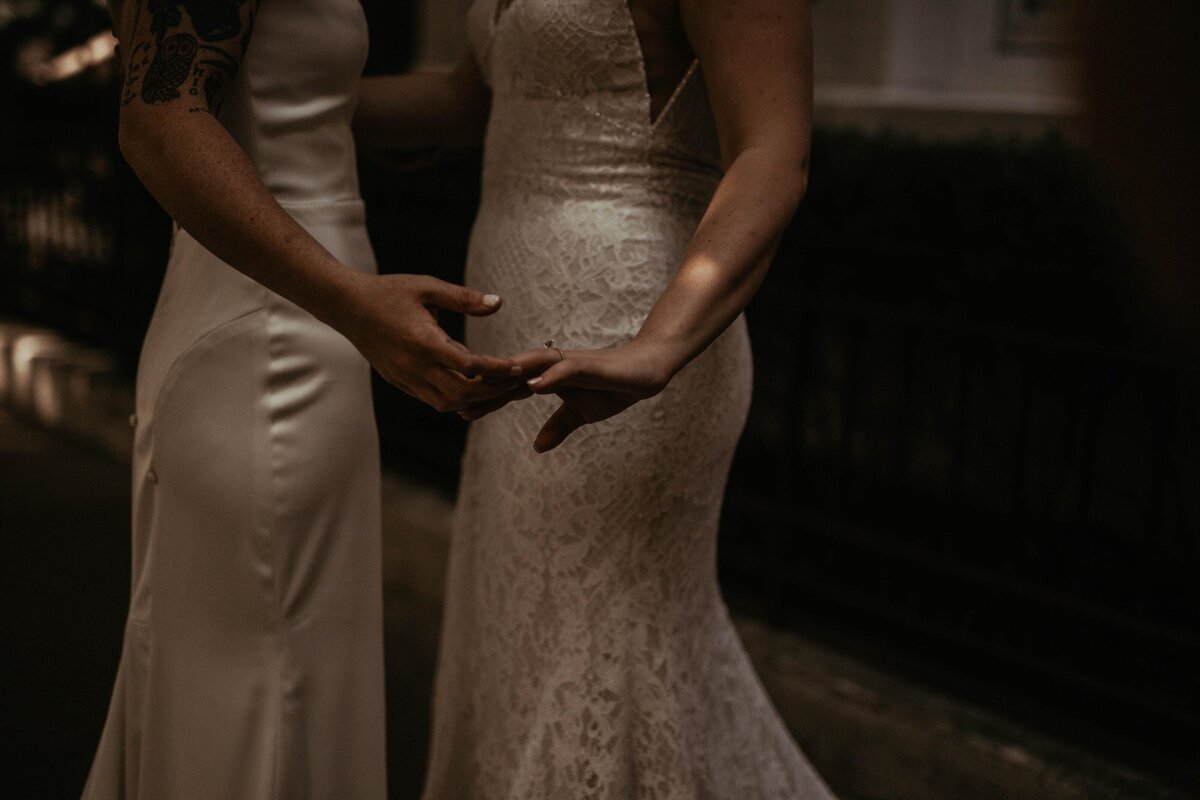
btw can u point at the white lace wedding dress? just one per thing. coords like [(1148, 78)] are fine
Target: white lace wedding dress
[(587, 652)]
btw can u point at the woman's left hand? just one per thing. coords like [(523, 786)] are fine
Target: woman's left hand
[(592, 384)]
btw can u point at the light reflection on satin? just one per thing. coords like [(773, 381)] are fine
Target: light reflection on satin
[(252, 665)]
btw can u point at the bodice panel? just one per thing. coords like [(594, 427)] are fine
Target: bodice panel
[(291, 104), (571, 114)]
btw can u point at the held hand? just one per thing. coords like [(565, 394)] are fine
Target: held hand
[(592, 384), (392, 320)]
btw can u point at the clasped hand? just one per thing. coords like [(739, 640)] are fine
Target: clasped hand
[(592, 384), (393, 321)]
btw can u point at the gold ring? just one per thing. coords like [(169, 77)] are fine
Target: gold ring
[(549, 344)]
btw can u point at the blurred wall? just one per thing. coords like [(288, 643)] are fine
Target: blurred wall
[(947, 66), (931, 67)]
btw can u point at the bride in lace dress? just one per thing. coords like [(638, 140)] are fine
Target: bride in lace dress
[(641, 160)]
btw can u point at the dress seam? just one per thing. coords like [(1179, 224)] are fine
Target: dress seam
[(270, 515)]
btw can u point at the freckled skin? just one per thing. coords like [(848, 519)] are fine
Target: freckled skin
[(756, 58), (206, 182)]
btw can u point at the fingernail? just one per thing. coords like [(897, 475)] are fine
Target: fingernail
[(534, 381), (491, 300), (516, 369)]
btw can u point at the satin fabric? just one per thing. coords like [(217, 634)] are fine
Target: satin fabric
[(252, 663)]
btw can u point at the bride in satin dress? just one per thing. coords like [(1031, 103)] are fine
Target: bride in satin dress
[(252, 660), (641, 160)]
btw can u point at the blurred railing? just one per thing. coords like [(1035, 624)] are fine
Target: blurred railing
[(971, 446), (982, 503), (82, 245)]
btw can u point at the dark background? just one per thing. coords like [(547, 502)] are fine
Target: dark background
[(974, 453)]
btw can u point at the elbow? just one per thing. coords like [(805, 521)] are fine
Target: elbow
[(798, 181), (791, 171), (794, 158), (131, 140), (138, 139), (779, 166)]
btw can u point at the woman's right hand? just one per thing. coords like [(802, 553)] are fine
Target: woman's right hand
[(392, 320), (205, 181)]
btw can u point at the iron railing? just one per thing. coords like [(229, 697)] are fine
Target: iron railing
[(1006, 505)]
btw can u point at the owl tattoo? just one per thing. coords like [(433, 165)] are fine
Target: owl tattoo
[(171, 66)]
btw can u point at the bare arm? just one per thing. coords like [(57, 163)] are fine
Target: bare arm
[(177, 71), (423, 109), (757, 57), (757, 62)]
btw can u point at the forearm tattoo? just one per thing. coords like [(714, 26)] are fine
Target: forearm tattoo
[(186, 49)]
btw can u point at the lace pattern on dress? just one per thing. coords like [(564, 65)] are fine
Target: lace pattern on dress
[(586, 651)]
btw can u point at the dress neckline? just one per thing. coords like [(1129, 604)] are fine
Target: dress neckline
[(501, 8)]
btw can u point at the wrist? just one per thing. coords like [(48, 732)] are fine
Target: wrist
[(664, 358), (340, 299)]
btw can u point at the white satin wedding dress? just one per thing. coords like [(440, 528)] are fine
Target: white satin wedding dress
[(252, 665), (586, 650)]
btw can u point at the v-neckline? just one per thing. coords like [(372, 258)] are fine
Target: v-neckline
[(648, 117)]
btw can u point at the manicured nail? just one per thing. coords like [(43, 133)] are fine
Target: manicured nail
[(491, 300), (534, 381)]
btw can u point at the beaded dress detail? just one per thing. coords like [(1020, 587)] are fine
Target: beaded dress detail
[(586, 650)]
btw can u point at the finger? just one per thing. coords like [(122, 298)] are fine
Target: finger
[(557, 375), (453, 297), (561, 424), (519, 392), (508, 378), (537, 360), (453, 355), (573, 372), (458, 393)]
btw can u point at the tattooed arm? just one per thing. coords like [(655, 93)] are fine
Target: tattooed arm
[(180, 57)]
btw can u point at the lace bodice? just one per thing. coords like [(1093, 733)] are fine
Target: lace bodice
[(586, 650), (571, 106), (570, 142)]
